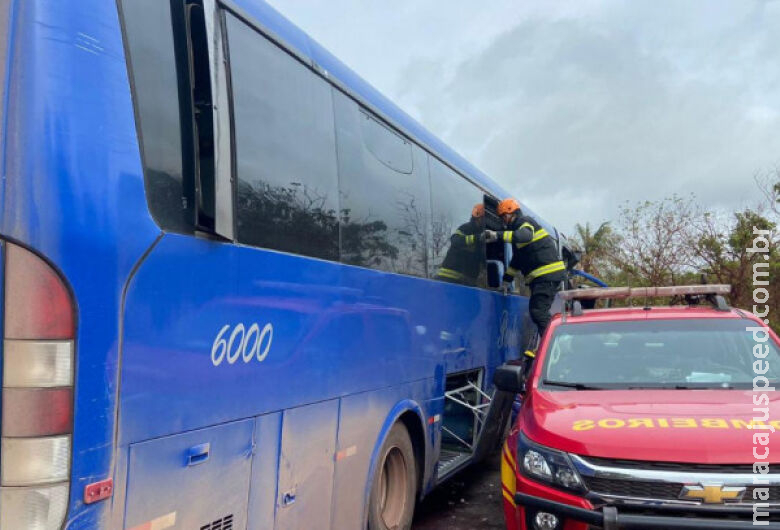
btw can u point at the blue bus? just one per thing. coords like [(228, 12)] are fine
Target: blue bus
[(225, 304)]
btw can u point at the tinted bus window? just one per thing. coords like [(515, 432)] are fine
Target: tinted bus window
[(458, 251), (285, 149), (388, 147), (384, 191), (149, 31)]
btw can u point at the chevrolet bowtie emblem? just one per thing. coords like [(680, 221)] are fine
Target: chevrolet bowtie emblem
[(712, 493)]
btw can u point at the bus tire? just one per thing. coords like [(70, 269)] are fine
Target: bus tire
[(394, 487)]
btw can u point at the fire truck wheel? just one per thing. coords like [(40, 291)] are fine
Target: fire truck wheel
[(394, 489)]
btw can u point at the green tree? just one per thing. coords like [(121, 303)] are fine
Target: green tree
[(722, 253), (654, 240), (597, 246), (674, 240)]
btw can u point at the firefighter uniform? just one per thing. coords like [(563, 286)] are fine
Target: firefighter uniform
[(466, 255), (535, 255)]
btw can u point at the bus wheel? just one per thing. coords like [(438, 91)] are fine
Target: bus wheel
[(394, 490)]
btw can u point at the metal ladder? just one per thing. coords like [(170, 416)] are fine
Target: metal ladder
[(490, 418)]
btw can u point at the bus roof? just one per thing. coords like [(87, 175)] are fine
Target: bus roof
[(296, 41)]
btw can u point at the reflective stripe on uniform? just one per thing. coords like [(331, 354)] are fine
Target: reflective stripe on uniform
[(511, 272), (470, 240), (539, 234), (507, 236), (526, 225), (545, 269), (529, 353), (449, 273)]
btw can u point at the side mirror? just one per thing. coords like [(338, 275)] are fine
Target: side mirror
[(495, 273), (509, 378)]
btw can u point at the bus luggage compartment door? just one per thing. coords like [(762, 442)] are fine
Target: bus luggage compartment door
[(198, 479), (306, 466)]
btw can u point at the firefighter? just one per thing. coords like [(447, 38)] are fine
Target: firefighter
[(466, 255), (535, 255)]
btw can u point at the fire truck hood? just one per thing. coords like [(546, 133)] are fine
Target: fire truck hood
[(691, 426)]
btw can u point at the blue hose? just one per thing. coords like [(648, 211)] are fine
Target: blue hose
[(588, 277)]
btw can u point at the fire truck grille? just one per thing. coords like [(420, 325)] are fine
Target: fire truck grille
[(634, 488), (774, 495), (676, 467), (658, 490)]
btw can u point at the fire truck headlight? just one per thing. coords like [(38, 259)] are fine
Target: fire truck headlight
[(535, 465), (567, 478), (548, 465)]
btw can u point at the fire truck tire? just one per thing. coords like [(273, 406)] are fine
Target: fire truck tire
[(394, 487)]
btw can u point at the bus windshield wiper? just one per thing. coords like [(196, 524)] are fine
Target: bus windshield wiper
[(576, 386)]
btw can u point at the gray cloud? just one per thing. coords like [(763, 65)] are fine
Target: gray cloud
[(580, 107)]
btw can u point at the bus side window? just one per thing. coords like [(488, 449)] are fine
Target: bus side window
[(156, 77), (458, 251), (384, 192), (387, 146), (287, 197)]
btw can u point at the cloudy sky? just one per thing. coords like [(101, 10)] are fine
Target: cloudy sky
[(578, 106)]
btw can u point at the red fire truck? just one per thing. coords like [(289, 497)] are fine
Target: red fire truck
[(646, 417)]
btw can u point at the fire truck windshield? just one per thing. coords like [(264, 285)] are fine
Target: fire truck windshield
[(684, 353)]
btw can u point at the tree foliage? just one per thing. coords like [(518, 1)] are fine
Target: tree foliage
[(598, 247), (676, 240)]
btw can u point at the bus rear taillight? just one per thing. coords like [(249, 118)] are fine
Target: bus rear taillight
[(37, 394)]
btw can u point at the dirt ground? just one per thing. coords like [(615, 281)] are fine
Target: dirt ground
[(471, 500)]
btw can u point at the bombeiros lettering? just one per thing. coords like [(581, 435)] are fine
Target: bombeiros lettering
[(240, 342), (674, 423)]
